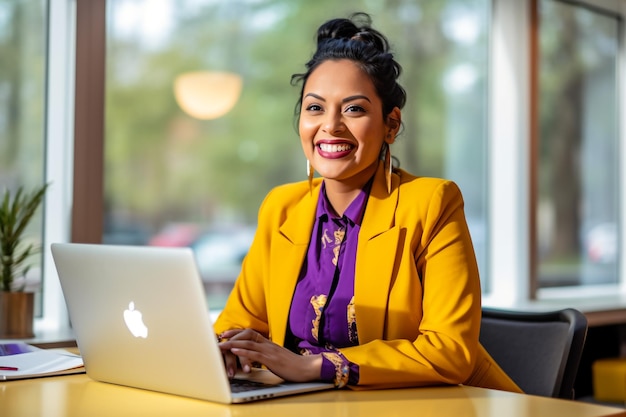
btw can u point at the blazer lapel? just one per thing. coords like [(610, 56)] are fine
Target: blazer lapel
[(289, 246), (376, 253)]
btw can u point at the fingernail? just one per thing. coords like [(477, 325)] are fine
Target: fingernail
[(231, 372), (246, 368)]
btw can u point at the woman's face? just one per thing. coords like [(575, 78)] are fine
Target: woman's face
[(342, 127)]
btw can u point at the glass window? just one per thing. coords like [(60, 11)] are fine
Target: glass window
[(22, 111), (578, 201), (176, 176)]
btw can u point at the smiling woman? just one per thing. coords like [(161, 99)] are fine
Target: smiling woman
[(367, 275)]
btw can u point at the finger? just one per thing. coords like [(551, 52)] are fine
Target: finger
[(251, 352), (253, 343), (247, 351), (240, 334), (251, 335), (245, 343), (230, 363), (228, 334), (246, 358)]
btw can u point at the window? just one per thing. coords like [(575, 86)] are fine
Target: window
[(172, 178), (578, 154), (22, 111)]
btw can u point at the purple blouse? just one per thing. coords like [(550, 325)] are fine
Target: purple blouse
[(322, 317)]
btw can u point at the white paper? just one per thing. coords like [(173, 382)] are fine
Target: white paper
[(39, 363)]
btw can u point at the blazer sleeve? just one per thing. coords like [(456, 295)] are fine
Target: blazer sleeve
[(262, 293), (436, 285), (246, 304)]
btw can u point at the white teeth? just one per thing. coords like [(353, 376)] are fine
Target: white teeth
[(328, 147)]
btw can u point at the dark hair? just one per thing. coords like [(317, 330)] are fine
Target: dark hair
[(356, 40)]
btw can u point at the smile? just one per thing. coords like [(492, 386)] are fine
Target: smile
[(331, 147)]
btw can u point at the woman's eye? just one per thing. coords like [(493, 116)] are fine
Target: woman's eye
[(355, 108), (313, 107)]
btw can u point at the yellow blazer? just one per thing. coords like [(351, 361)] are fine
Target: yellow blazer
[(417, 290)]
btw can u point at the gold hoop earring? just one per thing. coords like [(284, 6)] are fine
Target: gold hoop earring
[(309, 173), (388, 168)]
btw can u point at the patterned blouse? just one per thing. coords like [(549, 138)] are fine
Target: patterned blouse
[(322, 317)]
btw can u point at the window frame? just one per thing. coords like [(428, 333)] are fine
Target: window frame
[(509, 120), (59, 116), (613, 293)]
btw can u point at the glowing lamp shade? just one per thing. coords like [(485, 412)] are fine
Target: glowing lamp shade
[(206, 94)]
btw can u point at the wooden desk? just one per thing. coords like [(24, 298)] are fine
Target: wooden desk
[(78, 395)]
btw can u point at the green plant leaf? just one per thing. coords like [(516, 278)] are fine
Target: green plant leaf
[(15, 214)]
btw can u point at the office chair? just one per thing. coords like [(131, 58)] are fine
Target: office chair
[(540, 351)]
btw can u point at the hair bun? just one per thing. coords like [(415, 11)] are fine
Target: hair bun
[(357, 27)]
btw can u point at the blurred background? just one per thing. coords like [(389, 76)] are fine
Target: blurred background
[(199, 120)]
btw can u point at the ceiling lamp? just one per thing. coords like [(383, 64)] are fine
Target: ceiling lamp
[(207, 94)]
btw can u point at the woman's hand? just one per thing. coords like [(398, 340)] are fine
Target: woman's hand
[(249, 347)]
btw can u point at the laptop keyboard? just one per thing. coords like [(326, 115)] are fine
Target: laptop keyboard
[(242, 385)]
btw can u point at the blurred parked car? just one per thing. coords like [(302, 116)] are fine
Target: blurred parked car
[(176, 234), (220, 251), (601, 243)]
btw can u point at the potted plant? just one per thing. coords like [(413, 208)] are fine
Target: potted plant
[(16, 304)]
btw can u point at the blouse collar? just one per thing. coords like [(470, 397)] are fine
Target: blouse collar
[(355, 210)]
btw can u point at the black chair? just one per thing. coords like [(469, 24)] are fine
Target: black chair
[(540, 351)]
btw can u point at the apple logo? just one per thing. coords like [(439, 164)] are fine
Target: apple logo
[(134, 321)]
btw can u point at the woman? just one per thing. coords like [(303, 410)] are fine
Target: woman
[(367, 275)]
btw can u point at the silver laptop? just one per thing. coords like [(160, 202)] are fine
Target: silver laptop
[(141, 319)]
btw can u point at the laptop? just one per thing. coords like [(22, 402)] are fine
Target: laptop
[(141, 319)]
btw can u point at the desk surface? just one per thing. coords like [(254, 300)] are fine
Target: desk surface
[(78, 395)]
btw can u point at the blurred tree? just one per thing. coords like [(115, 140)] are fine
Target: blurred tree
[(22, 81), (575, 45)]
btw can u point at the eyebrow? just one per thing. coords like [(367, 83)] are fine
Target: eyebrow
[(345, 100)]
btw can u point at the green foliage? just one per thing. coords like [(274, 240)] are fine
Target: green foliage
[(15, 214)]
